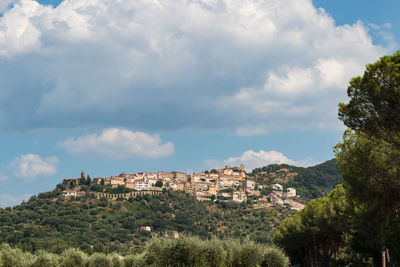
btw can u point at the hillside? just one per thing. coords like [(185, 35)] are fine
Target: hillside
[(310, 183), (53, 222)]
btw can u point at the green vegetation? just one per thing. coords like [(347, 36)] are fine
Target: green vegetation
[(316, 236), (192, 251), (358, 224), (310, 183), (336, 231), (49, 223), (159, 252), (53, 223)]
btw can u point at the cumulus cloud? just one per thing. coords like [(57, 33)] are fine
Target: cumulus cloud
[(252, 159), (5, 5), (31, 166), (115, 143), (10, 200), (245, 66)]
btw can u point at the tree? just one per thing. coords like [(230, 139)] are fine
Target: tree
[(369, 157), (315, 235), (370, 169), (72, 184), (88, 180), (374, 106), (371, 174), (159, 183), (60, 187)]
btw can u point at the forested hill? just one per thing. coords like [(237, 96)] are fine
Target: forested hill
[(52, 222), (310, 183)]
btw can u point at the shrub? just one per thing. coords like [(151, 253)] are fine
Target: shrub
[(246, 253), (11, 257), (158, 252), (214, 252), (115, 260), (192, 251), (250, 254), (45, 259), (274, 257), (99, 260), (73, 257), (175, 252), (134, 261)]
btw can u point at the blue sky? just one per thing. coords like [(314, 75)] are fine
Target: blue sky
[(176, 85)]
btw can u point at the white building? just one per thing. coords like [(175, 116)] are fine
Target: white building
[(141, 185), (151, 181), (291, 192), (73, 193), (117, 181), (250, 184), (239, 197)]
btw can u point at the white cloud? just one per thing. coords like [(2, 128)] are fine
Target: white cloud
[(5, 5), (18, 32), (231, 65), (31, 166), (252, 159), (9, 200), (117, 143)]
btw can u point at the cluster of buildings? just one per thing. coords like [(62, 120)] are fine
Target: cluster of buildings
[(228, 184), (281, 197)]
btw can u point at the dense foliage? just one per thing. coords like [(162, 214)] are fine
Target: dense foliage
[(54, 223), (159, 252), (369, 156), (358, 224), (317, 235), (310, 183), (374, 106), (336, 231)]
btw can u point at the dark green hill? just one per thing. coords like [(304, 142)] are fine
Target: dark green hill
[(51, 222), (310, 183)]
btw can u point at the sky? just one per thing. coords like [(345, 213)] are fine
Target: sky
[(176, 85)]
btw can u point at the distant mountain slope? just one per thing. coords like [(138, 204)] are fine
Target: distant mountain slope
[(310, 183), (52, 222)]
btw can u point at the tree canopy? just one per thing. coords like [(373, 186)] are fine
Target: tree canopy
[(374, 106), (369, 156)]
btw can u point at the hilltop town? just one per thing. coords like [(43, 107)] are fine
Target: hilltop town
[(124, 211), (228, 184)]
